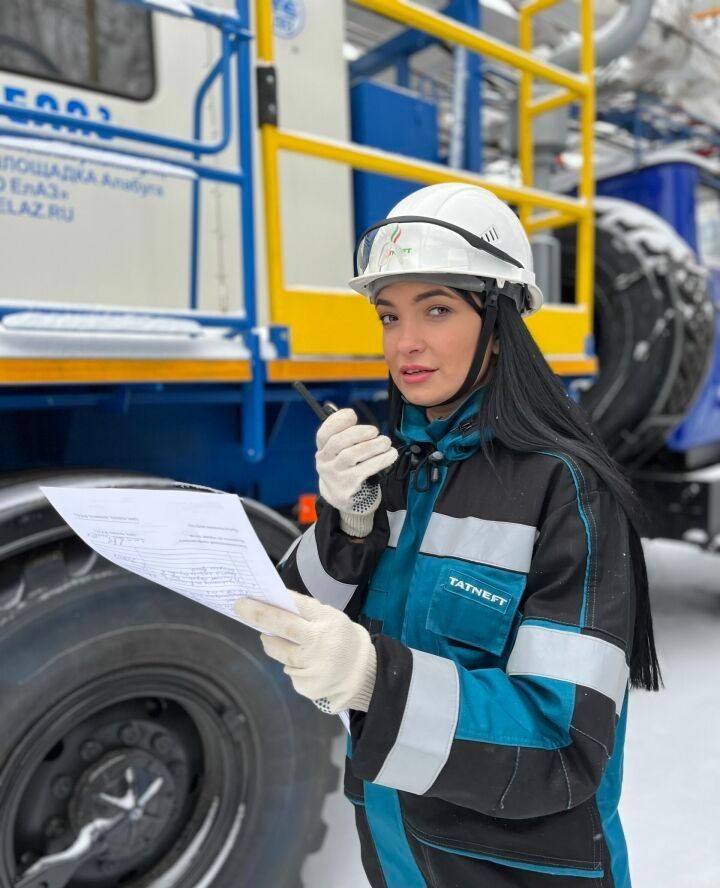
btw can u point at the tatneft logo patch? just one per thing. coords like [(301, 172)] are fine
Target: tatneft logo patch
[(473, 589)]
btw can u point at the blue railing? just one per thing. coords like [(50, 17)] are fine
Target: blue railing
[(235, 39)]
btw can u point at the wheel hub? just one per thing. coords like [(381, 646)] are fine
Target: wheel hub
[(131, 777), (132, 781)]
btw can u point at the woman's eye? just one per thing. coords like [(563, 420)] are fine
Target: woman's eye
[(387, 319)]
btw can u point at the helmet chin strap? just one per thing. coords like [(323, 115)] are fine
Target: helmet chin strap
[(489, 316)]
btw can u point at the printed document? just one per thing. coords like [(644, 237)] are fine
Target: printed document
[(201, 545)]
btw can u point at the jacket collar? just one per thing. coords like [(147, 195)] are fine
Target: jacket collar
[(457, 436)]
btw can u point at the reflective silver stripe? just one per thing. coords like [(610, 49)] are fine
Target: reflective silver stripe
[(498, 543), (317, 580), (568, 656), (428, 726), (295, 543), (396, 520)]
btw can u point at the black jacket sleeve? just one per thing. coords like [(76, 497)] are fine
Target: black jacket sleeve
[(327, 564)]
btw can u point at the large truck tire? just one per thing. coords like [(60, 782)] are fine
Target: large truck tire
[(654, 328), (110, 683)]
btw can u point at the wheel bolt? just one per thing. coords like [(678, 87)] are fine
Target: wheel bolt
[(162, 744), (55, 827), (62, 787), (90, 750), (129, 734)]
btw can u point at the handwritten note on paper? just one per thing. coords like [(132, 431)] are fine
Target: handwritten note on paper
[(201, 545)]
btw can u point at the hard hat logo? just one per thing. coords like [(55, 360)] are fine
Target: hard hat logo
[(391, 249)]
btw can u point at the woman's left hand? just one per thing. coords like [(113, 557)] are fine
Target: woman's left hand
[(326, 655)]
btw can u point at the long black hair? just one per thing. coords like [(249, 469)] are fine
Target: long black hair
[(527, 409)]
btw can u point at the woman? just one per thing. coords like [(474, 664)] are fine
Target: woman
[(484, 624)]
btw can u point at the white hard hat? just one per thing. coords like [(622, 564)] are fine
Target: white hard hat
[(452, 234)]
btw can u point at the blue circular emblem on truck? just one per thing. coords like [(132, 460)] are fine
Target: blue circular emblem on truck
[(288, 17)]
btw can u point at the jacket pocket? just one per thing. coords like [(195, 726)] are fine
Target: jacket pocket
[(566, 843), (475, 608)]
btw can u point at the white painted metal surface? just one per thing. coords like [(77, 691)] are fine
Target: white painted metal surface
[(84, 227)]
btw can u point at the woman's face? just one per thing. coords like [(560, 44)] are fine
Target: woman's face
[(428, 328)]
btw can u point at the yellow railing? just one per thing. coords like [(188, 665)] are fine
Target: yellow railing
[(345, 325), (528, 109)]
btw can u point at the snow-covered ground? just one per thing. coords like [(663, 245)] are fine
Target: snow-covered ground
[(671, 791), (671, 800)]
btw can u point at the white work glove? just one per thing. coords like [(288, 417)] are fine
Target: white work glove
[(329, 659), (348, 454)]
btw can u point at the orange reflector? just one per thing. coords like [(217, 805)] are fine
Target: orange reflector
[(306, 508)]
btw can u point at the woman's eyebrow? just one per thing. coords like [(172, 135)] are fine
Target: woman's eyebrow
[(427, 294)]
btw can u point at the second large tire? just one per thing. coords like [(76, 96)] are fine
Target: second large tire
[(654, 328)]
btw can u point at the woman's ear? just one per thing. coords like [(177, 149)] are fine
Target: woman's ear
[(495, 345)]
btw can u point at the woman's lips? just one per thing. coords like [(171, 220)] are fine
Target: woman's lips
[(416, 376)]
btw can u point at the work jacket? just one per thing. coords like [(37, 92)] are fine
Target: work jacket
[(500, 599)]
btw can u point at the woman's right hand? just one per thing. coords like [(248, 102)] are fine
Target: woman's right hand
[(347, 455)]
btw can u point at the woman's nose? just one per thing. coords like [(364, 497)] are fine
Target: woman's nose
[(410, 340)]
